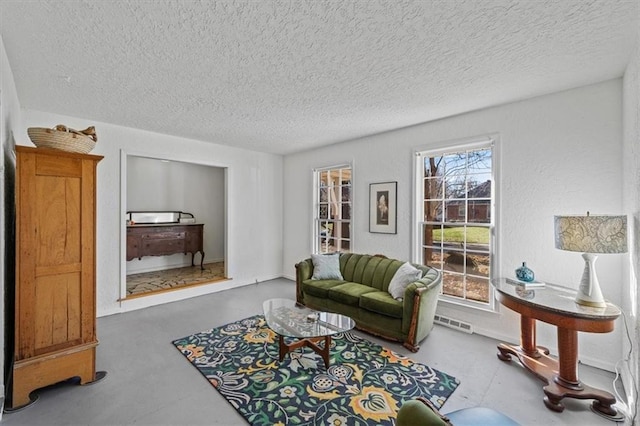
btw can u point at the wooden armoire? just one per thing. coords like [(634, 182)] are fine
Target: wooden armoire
[(55, 293)]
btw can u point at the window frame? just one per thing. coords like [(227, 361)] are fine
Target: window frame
[(316, 219), (443, 148)]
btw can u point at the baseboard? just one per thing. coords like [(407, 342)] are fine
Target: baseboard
[(1, 401), (107, 312), (491, 333), (177, 295), (590, 361), (186, 293), (289, 277), (597, 363)]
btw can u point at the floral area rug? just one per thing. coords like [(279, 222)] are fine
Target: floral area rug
[(364, 384)]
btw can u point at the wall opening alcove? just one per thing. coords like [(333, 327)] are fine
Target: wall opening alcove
[(163, 185)]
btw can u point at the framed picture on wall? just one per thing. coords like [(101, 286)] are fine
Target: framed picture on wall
[(382, 207)]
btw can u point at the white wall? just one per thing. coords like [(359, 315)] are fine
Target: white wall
[(157, 185), (631, 197), (560, 154), (254, 190)]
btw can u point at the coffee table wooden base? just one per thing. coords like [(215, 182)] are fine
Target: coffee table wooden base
[(308, 342)]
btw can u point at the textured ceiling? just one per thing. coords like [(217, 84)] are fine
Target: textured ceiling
[(285, 76)]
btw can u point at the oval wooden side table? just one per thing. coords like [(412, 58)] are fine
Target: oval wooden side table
[(555, 305)]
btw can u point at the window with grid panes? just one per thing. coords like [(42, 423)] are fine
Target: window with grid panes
[(332, 222), (454, 222)]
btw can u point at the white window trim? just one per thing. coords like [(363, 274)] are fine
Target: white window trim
[(316, 196), (495, 241)]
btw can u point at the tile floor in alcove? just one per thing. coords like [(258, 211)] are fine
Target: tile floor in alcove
[(156, 281)]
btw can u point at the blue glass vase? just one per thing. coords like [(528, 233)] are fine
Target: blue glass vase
[(525, 274)]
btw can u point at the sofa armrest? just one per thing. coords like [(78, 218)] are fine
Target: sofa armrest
[(304, 271), (430, 282), (419, 309)]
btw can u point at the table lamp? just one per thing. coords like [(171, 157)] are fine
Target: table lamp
[(590, 235)]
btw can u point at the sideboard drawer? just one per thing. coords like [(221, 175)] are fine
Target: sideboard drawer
[(170, 235), (164, 240), (163, 247)]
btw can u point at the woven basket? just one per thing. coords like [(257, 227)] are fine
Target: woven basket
[(64, 138)]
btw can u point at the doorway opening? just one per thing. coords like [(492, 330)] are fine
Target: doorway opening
[(157, 248)]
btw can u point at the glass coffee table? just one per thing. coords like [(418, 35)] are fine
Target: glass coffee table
[(289, 319)]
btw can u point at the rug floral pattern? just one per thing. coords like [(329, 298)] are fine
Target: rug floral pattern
[(364, 384)]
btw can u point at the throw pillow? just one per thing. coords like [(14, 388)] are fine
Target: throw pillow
[(326, 266), (405, 275)]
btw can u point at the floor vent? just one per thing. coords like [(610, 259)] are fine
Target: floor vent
[(453, 323)]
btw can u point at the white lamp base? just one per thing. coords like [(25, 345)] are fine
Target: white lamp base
[(589, 293)]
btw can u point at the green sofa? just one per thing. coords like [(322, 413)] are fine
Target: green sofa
[(363, 295)]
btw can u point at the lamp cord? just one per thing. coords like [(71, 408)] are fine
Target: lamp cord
[(631, 409)]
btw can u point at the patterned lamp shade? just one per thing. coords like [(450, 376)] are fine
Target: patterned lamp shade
[(591, 234)]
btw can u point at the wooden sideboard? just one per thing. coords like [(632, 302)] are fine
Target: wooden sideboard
[(165, 239)]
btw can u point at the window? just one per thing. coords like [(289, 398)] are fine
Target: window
[(454, 226), (332, 210)]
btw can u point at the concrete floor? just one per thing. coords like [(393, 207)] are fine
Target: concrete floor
[(150, 383)]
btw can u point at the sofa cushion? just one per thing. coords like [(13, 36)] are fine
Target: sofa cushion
[(348, 267), (319, 288), (369, 271), (404, 276), (349, 293), (381, 302), (326, 266)]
